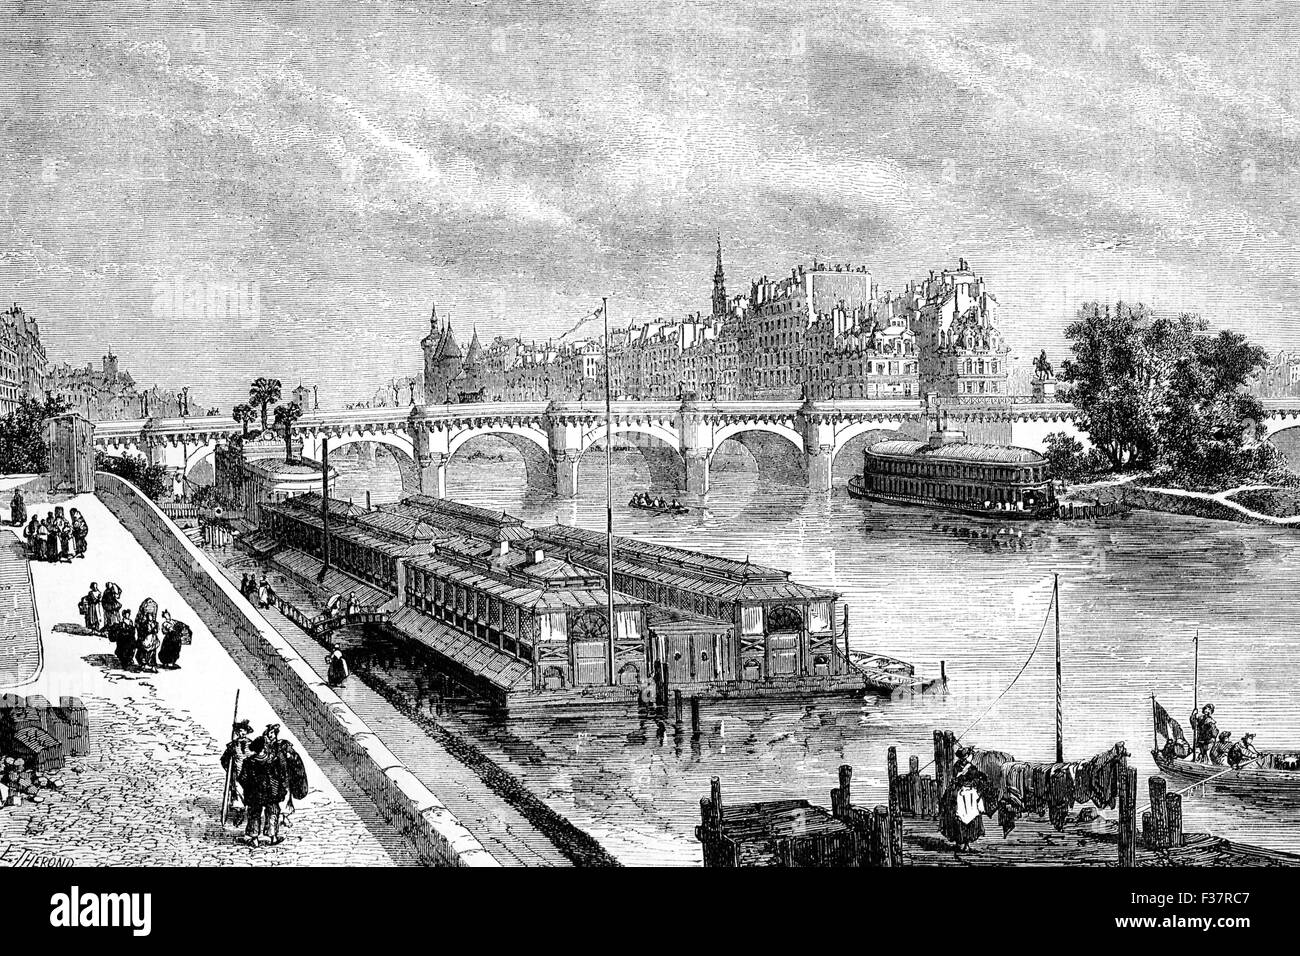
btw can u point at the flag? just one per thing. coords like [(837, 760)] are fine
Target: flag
[(596, 314), (1167, 727)]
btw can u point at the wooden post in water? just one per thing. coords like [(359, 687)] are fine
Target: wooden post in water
[(1127, 814), (677, 708), (914, 785), (1159, 812), (695, 716), (891, 771), (880, 837), (1174, 817), (1060, 720)]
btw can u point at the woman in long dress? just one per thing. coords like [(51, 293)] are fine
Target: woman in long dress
[(51, 525), (338, 667), (80, 532), (123, 634), (963, 806), (112, 604), (174, 635), (35, 543), (92, 609)]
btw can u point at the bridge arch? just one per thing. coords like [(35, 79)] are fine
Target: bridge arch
[(777, 450), (657, 446), (738, 428), (394, 440), (398, 445), (517, 435), (662, 433), (1287, 441), (531, 445), (199, 455)]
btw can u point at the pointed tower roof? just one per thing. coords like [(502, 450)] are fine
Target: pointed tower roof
[(447, 347), (474, 354), (434, 337)]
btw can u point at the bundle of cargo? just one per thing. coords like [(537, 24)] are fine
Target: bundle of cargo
[(18, 784)]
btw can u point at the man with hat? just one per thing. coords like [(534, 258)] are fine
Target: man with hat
[(1205, 733), (232, 761), (1242, 752), (262, 780)]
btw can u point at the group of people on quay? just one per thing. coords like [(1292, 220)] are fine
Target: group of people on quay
[(55, 537), (264, 775), (255, 591), (1212, 745), (146, 643)]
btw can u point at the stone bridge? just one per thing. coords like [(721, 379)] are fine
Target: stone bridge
[(791, 440)]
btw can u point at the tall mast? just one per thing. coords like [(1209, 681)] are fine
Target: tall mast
[(1196, 666), (609, 495), (1060, 723)]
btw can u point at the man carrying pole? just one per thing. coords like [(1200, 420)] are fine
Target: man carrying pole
[(231, 761)]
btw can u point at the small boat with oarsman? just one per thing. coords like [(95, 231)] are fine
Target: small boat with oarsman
[(646, 502), (1211, 758)]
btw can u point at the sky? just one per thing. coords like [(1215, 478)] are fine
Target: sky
[(324, 172)]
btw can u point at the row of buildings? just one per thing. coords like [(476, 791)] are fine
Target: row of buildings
[(822, 332), (100, 394), (109, 393)]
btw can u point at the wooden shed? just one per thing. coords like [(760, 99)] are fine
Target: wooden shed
[(70, 441)]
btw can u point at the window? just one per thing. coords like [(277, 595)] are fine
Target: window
[(751, 620), (819, 616), (629, 625), (554, 628)]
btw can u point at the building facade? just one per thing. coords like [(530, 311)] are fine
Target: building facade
[(24, 371)]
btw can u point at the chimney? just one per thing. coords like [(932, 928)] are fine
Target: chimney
[(502, 548), (536, 555)]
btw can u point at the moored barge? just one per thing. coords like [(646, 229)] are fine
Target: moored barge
[(948, 473)]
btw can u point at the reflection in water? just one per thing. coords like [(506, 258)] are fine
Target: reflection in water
[(924, 587)]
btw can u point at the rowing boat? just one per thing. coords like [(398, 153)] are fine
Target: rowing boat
[(1272, 771)]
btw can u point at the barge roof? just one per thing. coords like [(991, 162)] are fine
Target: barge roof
[(958, 451)]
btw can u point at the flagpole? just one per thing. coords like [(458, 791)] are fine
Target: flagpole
[(1196, 666), (609, 493), (1155, 742)]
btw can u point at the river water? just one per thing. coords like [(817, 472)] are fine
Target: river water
[(1134, 591)]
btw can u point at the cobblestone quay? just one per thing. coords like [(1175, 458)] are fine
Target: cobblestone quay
[(149, 791)]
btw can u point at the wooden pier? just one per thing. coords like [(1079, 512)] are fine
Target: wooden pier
[(906, 830)]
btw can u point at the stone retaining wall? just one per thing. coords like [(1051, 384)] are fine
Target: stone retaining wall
[(405, 802)]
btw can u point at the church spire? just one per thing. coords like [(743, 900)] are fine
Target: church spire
[(719, 285)]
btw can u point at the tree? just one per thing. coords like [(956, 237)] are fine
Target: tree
[(1065, 456), (23, 449), (1211, 422), (244, 415), (285, 416), (153, 480), (1124, 364), (263, 393)]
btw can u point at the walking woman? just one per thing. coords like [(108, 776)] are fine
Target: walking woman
[(80, 531), (92, 609), (112, 605), (51, 525), (35, 541), (18, 509), (65, 535)]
